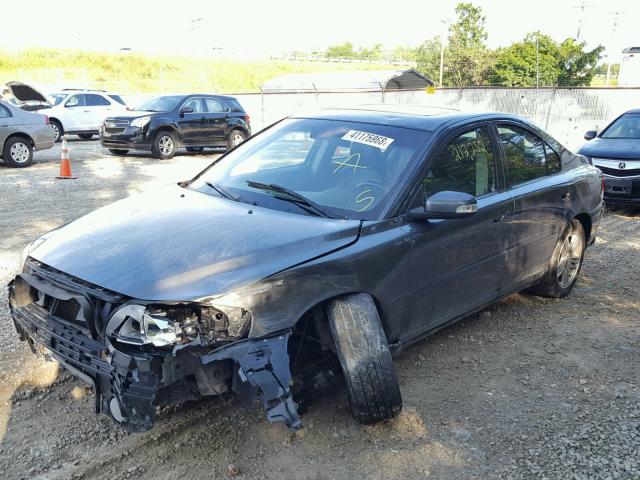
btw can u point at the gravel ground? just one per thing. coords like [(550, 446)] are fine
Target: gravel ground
[(530, 388)]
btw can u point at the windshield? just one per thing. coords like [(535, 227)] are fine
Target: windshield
[(57, 98), (345, 169), (627, 126), (161, 104)]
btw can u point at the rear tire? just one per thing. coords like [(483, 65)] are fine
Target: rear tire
[(164, 145), (372, 384), (56, 128), (116, 151), (236, 137), (17, 152), (85, 136), (565, 264)]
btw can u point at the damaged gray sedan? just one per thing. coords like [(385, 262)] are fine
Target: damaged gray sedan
[(323, 241)]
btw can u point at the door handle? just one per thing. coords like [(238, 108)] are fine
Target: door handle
[(566, 196)]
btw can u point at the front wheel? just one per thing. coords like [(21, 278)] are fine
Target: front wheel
[(17, 153), (236, 137), (372, 385), (565, 264), (164, 145), (117, 151)]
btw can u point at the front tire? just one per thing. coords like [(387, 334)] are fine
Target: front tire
[(565, 264), (164, 145), (236, 137), (117, 151), (18, 153), (372, 384)]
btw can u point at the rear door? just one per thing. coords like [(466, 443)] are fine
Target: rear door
[(97, 108), (541, 196), (217, 117), (457, 265)]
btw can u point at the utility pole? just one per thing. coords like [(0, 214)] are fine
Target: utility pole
[(444, 23), (616, 15), (537, 60), (582, 6)]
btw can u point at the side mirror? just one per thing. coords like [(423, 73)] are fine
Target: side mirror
[(590, 135), (446, 205), (186, 110)]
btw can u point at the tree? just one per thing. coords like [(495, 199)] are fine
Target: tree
[(343, 50), (427, 58), (577, 67), (467, 58), (519, 64)]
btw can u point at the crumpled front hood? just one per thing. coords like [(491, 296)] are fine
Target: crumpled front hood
[(625, 148), (175, 244)]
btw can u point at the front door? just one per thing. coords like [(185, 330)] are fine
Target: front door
[(193, 123), (458, 265)]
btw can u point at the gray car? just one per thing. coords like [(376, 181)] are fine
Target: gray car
[(21, 133), (323, 244)]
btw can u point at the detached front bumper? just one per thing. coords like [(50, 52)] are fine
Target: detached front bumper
[(129, 385)]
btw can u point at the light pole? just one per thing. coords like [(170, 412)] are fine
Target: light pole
[(444, 22)]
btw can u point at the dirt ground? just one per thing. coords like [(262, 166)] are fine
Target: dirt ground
[(530, 388)]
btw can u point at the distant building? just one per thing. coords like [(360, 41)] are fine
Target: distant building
[(630, 68)]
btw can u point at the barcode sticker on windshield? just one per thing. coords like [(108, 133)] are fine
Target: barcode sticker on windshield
[(370, 139)]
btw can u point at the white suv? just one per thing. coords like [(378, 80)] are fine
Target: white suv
[(81, 112), (73, 111)]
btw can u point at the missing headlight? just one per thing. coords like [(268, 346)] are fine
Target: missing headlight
[(160, 325)]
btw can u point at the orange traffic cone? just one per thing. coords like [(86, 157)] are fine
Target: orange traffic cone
[(65, 164)]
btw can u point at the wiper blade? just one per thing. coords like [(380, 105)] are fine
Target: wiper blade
[(223, 192), (291, 196)]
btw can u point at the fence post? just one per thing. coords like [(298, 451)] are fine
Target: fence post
[(261, 105), (317, 95), (381, 91), (553, 97)]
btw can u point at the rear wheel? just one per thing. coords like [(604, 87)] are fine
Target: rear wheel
[(372, 385), (565, 264), (85, 136), (56, 128), (195, 149), (164, 145), (117, 151), (18, 152), (236, 137)]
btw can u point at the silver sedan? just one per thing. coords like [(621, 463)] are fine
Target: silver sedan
[(21, 133)]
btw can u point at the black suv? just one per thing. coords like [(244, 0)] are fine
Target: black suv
[(166, 123)]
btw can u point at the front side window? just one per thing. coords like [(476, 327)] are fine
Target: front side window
[(467, 165), (4, 112), (348, 169), (195, 104), (525, 154), (627, 126), (75, 101)]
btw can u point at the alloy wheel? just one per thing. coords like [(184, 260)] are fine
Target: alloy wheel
[(236, 139), (19, 152), (55, 130), (570, 258), (166, 145)]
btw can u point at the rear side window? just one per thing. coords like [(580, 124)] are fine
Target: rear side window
[(4, 112), (117, 98), (93, 100), (527, 156), (467, 164), (215, 106)]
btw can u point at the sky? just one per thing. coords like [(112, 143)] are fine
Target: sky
[(257, 28)]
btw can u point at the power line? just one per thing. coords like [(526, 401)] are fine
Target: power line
[(582, 6)]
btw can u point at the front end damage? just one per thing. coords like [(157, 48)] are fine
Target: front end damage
[(137, 357)]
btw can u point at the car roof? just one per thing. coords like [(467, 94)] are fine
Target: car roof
[(416, 117)]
